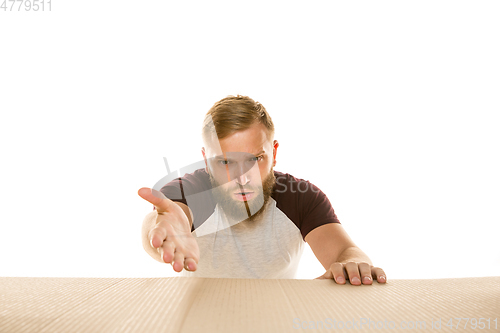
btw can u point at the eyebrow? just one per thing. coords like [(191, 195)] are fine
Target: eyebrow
[(222, 156)]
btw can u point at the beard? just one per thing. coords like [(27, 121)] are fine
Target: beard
[(249, 210)]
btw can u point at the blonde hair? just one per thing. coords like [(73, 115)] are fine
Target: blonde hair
[(233, 114)]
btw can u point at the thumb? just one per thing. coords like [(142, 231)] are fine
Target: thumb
[(161, 202), (328, 275)]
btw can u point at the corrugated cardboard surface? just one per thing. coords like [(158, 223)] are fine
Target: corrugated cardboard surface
[(180, 304)]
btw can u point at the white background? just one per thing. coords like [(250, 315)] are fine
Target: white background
[(390, 107)]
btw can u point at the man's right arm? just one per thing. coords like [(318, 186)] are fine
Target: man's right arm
[(187, 211)]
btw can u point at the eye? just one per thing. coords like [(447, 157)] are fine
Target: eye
[(257, 158), (223, 162)]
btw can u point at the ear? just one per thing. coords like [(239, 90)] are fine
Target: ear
[(275, 150), (205, 158)]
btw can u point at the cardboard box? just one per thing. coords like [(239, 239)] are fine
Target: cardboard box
[(180, 304)]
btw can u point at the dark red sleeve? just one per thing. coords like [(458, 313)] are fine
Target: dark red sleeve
[(193, 190), (303, 202), (316, 210)]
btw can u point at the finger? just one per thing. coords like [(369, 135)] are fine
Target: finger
[(161, 202), (190, 264), (379, 275), (178, 262), (353, 273), (327, 275), (168, 249), (156, 236), (337, 270), (365, 272)]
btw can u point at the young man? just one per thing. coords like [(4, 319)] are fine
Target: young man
[(238, 217)]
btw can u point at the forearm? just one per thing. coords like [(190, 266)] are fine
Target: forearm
[(353, 254)]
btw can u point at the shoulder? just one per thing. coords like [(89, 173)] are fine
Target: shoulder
[(303, 202), (194, 190), (195, 181), (198, 179), (288, 186)]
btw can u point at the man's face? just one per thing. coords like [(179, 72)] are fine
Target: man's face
[(241, 172)]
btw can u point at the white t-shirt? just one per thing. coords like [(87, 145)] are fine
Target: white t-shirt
[(267, 248)]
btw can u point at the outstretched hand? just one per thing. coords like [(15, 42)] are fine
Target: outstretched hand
[(171, 235)]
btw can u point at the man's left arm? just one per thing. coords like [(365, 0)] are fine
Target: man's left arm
[(341, 258)]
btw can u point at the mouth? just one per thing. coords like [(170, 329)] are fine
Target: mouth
[(244, 196)]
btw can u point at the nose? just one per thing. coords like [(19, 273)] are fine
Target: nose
[(242, 177), (242, 180)]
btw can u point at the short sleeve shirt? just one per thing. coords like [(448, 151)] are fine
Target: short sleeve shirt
[(269, 247)]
